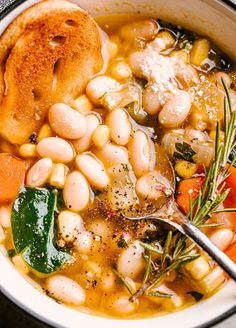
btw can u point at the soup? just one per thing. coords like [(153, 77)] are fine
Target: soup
[(157, 123)]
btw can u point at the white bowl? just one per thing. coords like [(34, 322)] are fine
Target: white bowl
[(210, 17)]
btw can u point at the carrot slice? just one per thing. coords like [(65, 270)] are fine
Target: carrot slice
[(186, 189), (231, 251), (12, 172)]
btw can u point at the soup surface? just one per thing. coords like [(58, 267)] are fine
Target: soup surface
[(151, 132)]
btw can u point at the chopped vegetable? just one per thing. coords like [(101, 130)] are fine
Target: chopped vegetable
[(33, 228), (183, 151), (12, 172), (186, 189), (231, 251)]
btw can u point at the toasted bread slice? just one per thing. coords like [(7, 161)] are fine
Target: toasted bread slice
[(47, 55)]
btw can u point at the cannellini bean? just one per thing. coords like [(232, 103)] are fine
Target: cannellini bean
[(5, 216), (120, 127), (65, 290), (108, 280), (76, 192), (57, 149), (99, 86), (198, 268), (82, 104), (163, 41), (100, 228), (136, 62), (85, 142), (187, 75), (140, 153), (101, 135), (39, 173), (120, 70), (144, 30), (222, 238), (152, 186), (171, 303), (70, 225), (151, 101), (122, 306), (84, 242), (67, 122), (131, 262), (176, 110), (194, 134), (113, 154), (93, 169)]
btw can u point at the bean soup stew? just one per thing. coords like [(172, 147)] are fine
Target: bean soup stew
[(165, 100)]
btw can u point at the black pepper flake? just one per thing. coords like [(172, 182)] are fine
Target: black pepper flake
[(33, 138), (94, 283)]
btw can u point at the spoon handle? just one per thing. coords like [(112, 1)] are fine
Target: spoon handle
[(204, 242)]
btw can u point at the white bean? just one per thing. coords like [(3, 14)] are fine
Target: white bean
[(84, 242), (57, 149), (5, 216), (99, 86), (152, 186), (222, 238), (140, 153), (120, 127), (176, 110), (194, 134), (108, 281), (187, 75), (144, 30), (131, 262), (76, 192), (93, 169), (67, 122), (122, 305), (169, 303), (113, 154), (39, 173), (70, 225), (136, 62), (65, 290), (151, 101), (85, 142)]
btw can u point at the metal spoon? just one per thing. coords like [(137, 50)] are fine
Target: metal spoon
[(170, 214)]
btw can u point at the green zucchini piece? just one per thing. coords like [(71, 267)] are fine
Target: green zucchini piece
[(34, 230)]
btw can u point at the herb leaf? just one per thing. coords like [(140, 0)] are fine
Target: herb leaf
[(33, 228), (183, 151), (196, 295)]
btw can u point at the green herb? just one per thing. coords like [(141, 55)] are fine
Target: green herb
[(97, 192), (121, 243), (11, 253), (196, 295), (184, 151), (34, 230), (125, 167), (123, 281), (160, 294)]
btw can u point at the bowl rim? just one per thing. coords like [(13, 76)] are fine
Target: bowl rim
[(7, 10)]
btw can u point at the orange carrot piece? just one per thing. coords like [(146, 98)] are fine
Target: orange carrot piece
[(186, 189), (231, 251), (12, 173)]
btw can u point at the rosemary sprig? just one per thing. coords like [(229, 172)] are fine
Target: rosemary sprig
[(178, 249)]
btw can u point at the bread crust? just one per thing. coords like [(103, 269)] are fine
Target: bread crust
[(47, 55)]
